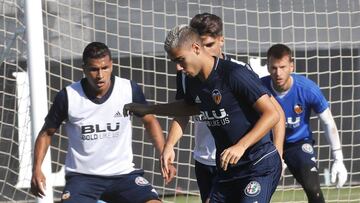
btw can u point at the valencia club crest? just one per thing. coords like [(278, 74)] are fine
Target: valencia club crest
[(216, 95), (298, 109)]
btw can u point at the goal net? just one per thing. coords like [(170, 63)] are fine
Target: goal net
[(325, 37)]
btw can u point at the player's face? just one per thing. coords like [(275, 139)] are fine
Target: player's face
[(280, 71), (186, 59), (213, 45), (98, 74)]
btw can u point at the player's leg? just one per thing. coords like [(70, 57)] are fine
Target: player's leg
[(205, 176), (301, 161), (261, 188), (251, 189), (131, 188), (82, 188)]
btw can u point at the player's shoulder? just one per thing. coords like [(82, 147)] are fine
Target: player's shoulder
[(234, 66), (75, 86), (122, 80), (266, 80), (308, 87), (304, 82), (62, 95), (124, 83)]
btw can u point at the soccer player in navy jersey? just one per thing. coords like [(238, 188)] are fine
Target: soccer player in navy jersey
[(298, 96), (209, 27), (99, 158), (239, 113)]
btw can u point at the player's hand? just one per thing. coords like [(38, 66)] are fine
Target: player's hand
[(231, 155), (167, 159), (139, 110), (38, 184), (339, 173), (171, 175), (284, 166)]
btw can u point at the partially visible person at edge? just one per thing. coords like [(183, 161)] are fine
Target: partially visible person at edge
[(297, 96), (99, 158)]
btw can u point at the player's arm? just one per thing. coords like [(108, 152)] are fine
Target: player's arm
[(278, 130), (42, 143), (56, 115), (176, 130), (177, 108), (338, 170), (153, 127), (320, 105), (179, 123), (269, 116)]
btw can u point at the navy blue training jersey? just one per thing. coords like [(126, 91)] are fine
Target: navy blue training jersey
[(303, 96), (59, 110), (181, 77), (226, 102)]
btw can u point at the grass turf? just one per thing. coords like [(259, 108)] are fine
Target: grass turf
[(297, 195)]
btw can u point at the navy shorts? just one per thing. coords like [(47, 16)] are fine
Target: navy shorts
[(300, 159), (129, 188), (253, 188), (205, 176)]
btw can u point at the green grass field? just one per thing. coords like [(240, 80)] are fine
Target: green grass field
[(290, 195)]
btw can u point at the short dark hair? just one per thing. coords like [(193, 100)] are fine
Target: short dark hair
[(207, 24), (278, 51), (95, 50)]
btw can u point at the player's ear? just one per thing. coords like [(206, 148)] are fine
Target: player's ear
[(268, 65), (292, 64), (221, 40), (196, 48), (83, 66)]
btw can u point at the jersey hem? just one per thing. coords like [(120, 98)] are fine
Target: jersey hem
[(207, 162)]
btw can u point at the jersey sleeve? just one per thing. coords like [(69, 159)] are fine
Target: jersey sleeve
[(245, 84), (316, 98), (58, 111), (137, 94), (180, 86)]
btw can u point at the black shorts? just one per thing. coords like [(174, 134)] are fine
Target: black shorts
[(205, 176)]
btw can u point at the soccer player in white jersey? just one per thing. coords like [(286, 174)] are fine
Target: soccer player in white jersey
[(298, 96), (99, 160), (210, 29)]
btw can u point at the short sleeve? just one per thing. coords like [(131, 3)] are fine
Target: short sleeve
[(245, 84), (137, 94), (58, 111), (316, 99)]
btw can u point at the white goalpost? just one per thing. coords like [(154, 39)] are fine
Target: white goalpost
[(324, 35), (37, 84)]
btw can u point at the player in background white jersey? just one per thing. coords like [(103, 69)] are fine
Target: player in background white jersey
[(298, 96), (210, 29), (99, 160)]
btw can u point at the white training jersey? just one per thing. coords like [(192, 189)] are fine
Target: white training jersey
[(100, 137), (204, 150)]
